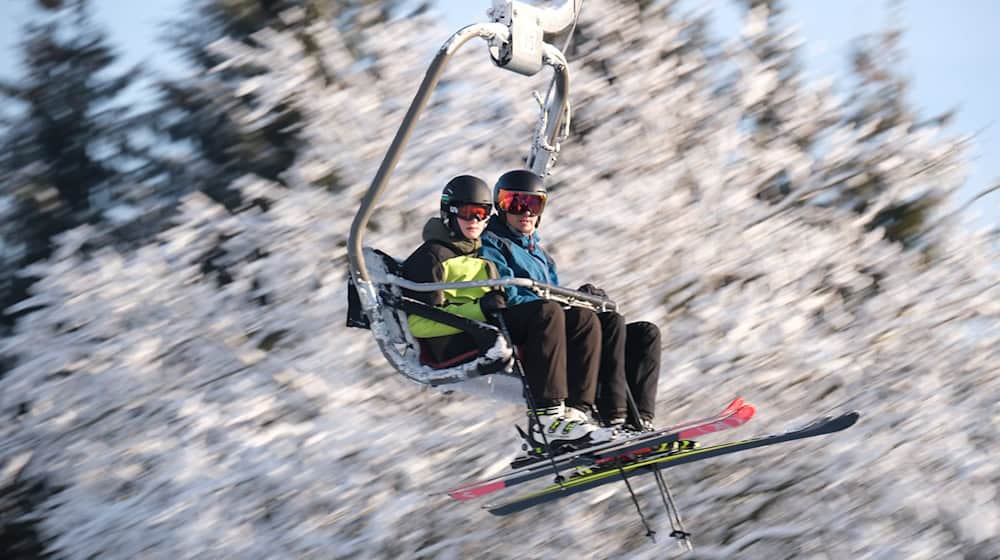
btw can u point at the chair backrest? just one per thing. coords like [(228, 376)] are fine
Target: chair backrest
[(391, 330), (380, 266)]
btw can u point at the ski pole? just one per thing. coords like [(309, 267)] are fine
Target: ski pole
[(528, 397)]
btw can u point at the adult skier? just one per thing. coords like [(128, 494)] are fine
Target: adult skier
[(560, 351), (630, 354)]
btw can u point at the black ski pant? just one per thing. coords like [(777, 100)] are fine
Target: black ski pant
[(630, 361), (560, 351)]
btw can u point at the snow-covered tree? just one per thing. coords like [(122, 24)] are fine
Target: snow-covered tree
[(900, 172), (220, 111), (870, 153), (64, 142), (784, 117)]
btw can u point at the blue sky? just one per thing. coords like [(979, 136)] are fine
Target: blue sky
[(952, 50)]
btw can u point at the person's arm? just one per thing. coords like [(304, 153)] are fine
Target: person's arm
[(423, 266), (515, 294)]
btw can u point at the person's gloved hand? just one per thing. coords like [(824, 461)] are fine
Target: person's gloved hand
[(492, 302), (592, 290)]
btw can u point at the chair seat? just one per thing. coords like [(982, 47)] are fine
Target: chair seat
[(427, 360)]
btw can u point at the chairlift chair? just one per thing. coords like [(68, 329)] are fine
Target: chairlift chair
[(516, 40)]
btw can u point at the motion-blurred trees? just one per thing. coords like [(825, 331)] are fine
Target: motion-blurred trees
[(233, 130), (869, 152), (196, 411), (64, 142), (896, 156)]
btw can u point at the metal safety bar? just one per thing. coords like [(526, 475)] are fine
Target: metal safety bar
[(546, 291)]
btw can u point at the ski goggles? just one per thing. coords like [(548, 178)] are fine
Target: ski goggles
[(470, 212), (518, 202)]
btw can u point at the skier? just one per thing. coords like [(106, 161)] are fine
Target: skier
[(560, 351), (630, 354)]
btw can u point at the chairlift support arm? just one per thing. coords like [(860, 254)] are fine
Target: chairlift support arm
[(519, 26)]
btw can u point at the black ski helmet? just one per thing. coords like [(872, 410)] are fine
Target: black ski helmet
[(523, 180), (464, 189)]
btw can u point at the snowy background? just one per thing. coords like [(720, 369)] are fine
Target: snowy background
[(196, 395)]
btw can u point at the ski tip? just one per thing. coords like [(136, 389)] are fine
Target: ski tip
[(746, 412), (849, 419), (474, 491), (735, 405), (831, 424), (498, 510)]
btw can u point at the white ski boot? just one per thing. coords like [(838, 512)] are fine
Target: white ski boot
[(565, 427)]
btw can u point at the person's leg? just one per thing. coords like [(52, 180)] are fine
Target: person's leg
[(642, 365), (611, 385), (583, 357), (538, 329)]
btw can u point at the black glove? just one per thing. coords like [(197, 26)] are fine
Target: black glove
[(592, 290), (492, 302)]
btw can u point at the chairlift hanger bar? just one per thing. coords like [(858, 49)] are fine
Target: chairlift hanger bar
[(519, 26), (529, 26)]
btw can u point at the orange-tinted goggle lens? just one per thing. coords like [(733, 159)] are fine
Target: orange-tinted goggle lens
[(471, 212), (516, 202)]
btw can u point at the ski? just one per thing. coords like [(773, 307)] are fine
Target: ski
[(612, 472), (656, 442)]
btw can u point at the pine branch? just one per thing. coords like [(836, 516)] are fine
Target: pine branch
[(965, 206), (797, 196), (12, 91)]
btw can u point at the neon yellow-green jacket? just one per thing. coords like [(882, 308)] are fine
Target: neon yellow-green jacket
[(446, 257)]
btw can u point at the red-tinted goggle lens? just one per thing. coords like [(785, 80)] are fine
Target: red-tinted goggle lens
[(516, 202), (473, 212)]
